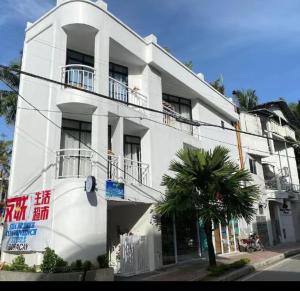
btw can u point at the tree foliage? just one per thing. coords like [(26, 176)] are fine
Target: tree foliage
[(8, 98), (218, 85), (246, 99), (210, 184)]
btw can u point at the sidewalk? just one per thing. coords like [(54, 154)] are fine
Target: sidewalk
[(196, 269)]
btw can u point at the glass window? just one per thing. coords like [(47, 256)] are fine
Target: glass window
[(252, 165), (74, 57), (181, 105)]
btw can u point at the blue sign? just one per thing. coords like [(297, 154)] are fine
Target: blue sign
[(114, 189)]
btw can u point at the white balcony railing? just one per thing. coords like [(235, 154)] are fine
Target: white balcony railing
[(172, 118), (73, 163), (133, 171), (77, 163), (284, 131), (273, 184), (80, 76), (119, 91)]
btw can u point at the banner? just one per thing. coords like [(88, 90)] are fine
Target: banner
[(27, 224)]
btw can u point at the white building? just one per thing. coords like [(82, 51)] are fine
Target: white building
[(273, 165), (83, 44)]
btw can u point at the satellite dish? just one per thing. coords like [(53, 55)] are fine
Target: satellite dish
[(90, 184)]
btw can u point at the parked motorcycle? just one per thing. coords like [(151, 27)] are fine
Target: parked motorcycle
[(252, 243)]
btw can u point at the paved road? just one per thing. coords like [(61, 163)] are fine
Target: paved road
[(286, 270)]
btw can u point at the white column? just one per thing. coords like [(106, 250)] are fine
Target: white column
[(102, 62), (118, 145), (99, 144)]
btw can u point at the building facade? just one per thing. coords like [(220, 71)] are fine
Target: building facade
[(271, 160), (75, 134)]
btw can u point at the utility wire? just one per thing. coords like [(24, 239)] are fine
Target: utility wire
[(152, 120), (182, 119), (89, 147)]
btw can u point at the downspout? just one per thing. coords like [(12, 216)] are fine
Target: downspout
[(239, 144)]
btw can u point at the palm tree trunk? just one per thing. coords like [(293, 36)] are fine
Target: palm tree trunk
[(211, 250)]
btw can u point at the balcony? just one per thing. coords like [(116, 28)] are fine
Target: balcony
[(78, 163), (284, 131), (173, 119), (134, 172), (73, 163), (272, 184), (80, 76), (119, 91)]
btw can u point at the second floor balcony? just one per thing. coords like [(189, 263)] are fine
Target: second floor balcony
[(282, 130), (120, 91), (80, 76), (79, 163)]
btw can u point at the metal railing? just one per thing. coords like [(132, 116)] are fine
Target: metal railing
[(172, 118), (73, 163), (272, 184), (78, 75), (134, 172), (112, 167), (120, 91)]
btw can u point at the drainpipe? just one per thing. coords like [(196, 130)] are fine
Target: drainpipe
[(239, 143)]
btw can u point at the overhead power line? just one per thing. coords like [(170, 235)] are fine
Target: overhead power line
[(76, 138), (181, 120), (155, 121)]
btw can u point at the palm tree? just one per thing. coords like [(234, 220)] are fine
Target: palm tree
[(218, 85), (209, 184), (8, 98), (246, 99)]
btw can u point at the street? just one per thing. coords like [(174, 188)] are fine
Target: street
[(286, 270)]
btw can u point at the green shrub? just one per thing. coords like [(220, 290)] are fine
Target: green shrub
[(223, 268), (18, 264), (87, 265), (76, 266), (52, 263), (103, 261)]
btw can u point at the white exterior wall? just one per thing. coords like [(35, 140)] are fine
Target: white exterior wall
[(79, 219), (257, 148)]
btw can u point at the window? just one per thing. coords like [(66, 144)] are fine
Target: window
[(252, 165), (181, 105), (118, 82), (74, 57), (75, 156)]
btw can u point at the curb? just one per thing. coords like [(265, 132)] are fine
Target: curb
[(234, 275)]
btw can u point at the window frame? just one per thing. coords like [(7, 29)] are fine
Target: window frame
[(172, 99), (252, 166)]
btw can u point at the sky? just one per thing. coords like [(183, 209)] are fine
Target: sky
[(252, 44)]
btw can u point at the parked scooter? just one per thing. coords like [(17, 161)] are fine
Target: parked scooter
[(253, 243)]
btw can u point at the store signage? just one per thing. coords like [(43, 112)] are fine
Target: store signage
[(114, 189), (27, 222)]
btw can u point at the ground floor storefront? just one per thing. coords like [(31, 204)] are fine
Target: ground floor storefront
[(138, 243)]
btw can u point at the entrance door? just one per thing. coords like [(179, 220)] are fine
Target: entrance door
[(132, 155), (275, 223)]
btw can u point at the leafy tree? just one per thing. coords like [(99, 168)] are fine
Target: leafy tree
[(218, 85), (8, 98), (167, 49), (189, 65), (209, 184), (246, 99), (5, 156)]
